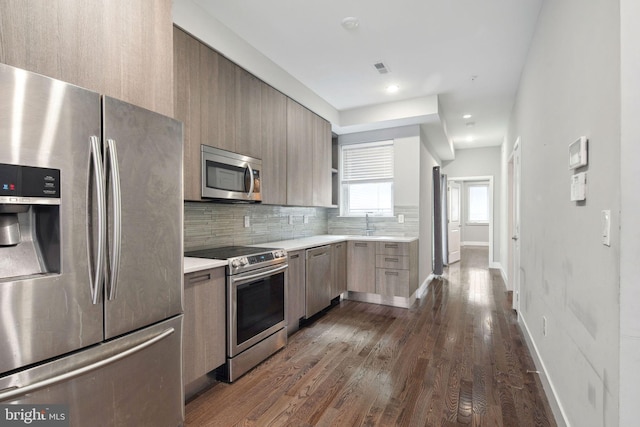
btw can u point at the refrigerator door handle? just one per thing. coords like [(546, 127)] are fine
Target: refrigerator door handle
[(96, 156), (112, 154), (19, 391)]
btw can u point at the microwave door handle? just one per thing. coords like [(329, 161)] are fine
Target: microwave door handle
[(250, 180), (117, 218)]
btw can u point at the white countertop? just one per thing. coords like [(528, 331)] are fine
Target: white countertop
[(197, 264), (327, 239)]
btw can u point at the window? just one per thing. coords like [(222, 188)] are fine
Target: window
[(478, 197), (367, 179)]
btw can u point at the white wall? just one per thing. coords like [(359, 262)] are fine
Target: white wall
[(630, 208), (481, 162), (570, 87)]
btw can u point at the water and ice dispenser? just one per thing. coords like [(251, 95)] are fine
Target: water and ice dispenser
[(29, 221)]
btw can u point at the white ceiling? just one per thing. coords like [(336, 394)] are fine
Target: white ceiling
[(469, 53)]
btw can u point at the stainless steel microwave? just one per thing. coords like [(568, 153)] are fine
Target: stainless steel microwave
[(230, 176)]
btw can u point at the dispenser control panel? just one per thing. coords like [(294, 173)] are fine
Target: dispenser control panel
[(18, 184)]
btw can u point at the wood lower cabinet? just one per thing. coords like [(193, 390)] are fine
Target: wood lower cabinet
[(203, 335), (361, 259), (339, 268), (319, 278), (396, 268), (296, 290)]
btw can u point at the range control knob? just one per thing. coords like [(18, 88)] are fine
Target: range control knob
[(235, 263), (244, 261), (280, 254)]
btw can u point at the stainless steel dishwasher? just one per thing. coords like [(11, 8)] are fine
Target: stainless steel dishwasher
[(318, 280)]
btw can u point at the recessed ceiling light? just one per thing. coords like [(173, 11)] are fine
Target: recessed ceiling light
[(470, 138), (350, 23), (393, 88), (467, 116)]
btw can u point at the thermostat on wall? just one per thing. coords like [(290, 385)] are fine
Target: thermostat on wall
[(579, 187), (578, 153)]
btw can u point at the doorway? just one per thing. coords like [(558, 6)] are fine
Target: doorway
[(513, 223), (470, 187)]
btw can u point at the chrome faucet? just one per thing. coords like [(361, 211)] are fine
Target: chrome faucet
[(367, 230)]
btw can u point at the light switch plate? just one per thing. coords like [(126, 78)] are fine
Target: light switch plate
[(290, 219), (400, 219), (305, 219), (247, 223), (606, 227)]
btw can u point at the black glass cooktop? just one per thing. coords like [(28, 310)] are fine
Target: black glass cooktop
[(227, 252)]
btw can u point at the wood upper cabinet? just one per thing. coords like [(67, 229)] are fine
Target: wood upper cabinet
[(219, 106), (274, 146), (300, 136), (361, 274), (187, 94), (121, 48), (321, 162), (248, 114), (204, 339)]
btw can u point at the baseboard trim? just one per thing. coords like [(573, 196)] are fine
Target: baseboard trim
[(424, 287), (547, 385)]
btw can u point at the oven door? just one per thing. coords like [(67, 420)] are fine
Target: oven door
[(256, 304)]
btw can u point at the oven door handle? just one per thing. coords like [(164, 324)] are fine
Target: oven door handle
[(261, 274)]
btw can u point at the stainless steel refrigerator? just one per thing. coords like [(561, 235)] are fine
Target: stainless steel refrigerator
[(91, 249)]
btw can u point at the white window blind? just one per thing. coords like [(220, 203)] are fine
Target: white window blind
[(367, 179)]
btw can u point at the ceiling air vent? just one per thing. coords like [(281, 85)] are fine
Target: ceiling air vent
[(382, 69)]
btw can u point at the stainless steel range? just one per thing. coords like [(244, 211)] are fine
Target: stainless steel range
[(256, 304)]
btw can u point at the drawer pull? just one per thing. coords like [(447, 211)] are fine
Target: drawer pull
[(201, 278), (390, 273), (391, 259), (295, 256), (361, 245), (391, 245)]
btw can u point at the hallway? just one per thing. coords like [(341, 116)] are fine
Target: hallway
[(457, 357)]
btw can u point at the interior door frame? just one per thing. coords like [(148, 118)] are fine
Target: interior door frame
[(492, 262), (514, 226)]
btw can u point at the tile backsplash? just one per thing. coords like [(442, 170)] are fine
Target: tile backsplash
[(381, 226), (218, 224)]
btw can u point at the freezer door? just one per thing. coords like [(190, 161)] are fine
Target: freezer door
[(135, 380), (46, 307), (143, 168)]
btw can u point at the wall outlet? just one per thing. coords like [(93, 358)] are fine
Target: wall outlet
[(290, 219), (400, 218), (247, 223), (544, 326), (305, 219)]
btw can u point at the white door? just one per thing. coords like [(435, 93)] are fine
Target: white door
[(453, 193), (515, 238)]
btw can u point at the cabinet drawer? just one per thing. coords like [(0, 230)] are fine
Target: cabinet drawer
[(392, 282), (399, 262), (392, 248)]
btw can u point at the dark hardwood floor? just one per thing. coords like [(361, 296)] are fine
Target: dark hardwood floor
[(457, 357)]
